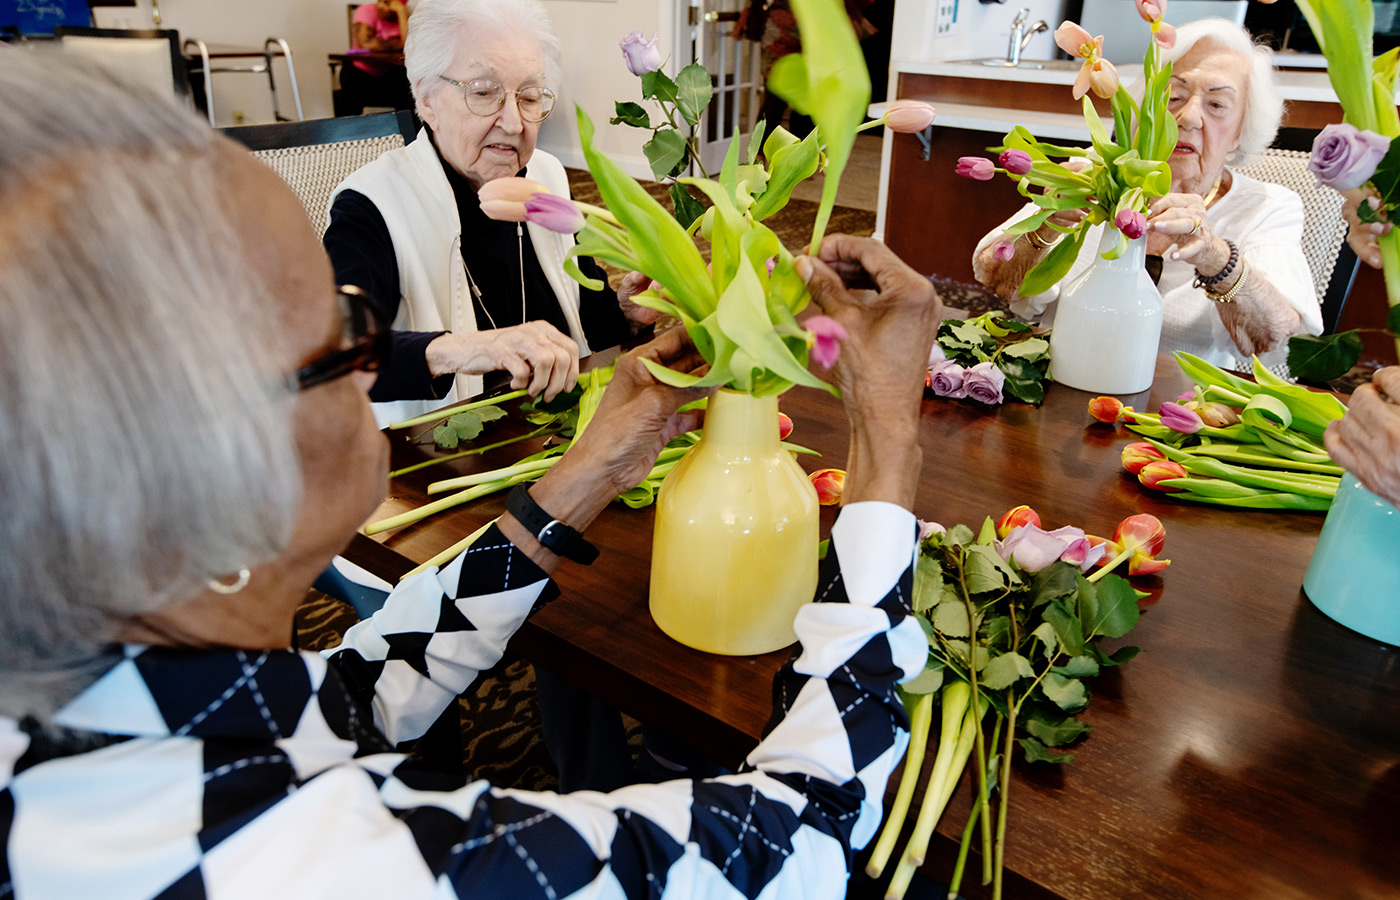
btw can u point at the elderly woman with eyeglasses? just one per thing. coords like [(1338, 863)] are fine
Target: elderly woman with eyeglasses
[(159, 737), (469, 295), (1233, 278)]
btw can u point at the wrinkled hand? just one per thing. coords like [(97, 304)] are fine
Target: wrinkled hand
[(1366, 441), (1178, 229), (890, 313), (633, 283), (539, 357), (1361, 236), (636, 419)]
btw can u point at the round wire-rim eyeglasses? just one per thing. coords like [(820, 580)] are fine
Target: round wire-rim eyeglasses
[(485, 97)]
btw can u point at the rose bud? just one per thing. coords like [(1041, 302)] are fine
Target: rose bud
[(1138, 454), (829, 484), (1154, 473), (1106, 409), (1017, 515)]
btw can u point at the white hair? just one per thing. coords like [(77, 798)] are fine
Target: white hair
[(1263, 108), (146, 421), (438, 27)]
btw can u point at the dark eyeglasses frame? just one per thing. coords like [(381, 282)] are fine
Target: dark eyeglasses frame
[(370, 341), (545, 94)]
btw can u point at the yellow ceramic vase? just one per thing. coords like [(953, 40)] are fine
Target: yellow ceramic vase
[(735, 550)]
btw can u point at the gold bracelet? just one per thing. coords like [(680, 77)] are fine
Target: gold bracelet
[(1229, 296), (1038, 242)]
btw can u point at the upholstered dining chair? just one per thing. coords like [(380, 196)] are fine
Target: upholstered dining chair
[(315, 156), (143, 56), (1332, 262)]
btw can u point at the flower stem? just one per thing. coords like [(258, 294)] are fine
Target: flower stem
[(1111, 564), (1003, 792), (452, 411), (599, 211), (545, 429), (457, 499), (980, 750), (920, 720)]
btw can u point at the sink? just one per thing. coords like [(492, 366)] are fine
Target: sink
[(1000, 62)]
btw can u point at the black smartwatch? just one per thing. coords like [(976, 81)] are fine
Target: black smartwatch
[(552, 534)]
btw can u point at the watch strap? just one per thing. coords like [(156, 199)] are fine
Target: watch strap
[(552, 534)]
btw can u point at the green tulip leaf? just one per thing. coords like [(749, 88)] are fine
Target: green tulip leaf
[(788, 164), (1052, 269)]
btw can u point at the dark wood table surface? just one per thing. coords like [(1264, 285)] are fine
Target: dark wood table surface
[(1252, 750)]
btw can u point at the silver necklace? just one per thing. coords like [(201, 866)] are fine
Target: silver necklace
[(476, 291)]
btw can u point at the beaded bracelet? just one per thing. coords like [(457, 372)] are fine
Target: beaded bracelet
[(1207, 283), (1229, 296)]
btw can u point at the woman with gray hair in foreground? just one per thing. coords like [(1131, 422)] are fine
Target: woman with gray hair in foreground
[(469, 295), (1234, 281), (188, 443)]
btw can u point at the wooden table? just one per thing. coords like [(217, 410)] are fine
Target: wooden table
[(1251, 751)]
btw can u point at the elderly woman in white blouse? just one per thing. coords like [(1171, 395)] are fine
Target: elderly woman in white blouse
[(1234, 281)]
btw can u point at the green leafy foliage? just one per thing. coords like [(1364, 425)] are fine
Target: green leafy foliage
[(1323, 357), (693, 92), (465, 426), (665, 152), (1022, 356), (627, 113)]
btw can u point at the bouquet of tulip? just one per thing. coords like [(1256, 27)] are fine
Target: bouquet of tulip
[(741, 309), (985, 358), (1014, 627), (1360, 153), (1116, 178), (1233, 442)]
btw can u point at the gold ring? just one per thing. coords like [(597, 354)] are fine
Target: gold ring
[(1195, 227)]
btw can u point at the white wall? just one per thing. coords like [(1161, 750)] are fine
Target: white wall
[(982, 30), (593, 72)]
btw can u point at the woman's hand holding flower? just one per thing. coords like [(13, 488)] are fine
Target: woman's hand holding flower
[(1178, 229), (1361, 236)]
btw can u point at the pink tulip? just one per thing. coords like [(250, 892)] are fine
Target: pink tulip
[(909, 116), (1103, 78), (1003, 250), (977, 168), (558, 214), (1075, 41), (1106, 409), (1165, 35), (1179, 418), (827, 335), (1016, 516), (1017, 162), (829, 484), (504, 199), (1151, 10), (1139, 454), (1132, 223)]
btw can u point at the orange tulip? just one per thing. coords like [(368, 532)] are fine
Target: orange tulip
[(829, 484), (784, 426), (1137, 539), (1139, 454), (1154, 473), (1017, 515), (1106, 409)]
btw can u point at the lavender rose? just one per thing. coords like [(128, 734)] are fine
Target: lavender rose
[(946, 379), (640, 54), (983, 383), (1344, 157)]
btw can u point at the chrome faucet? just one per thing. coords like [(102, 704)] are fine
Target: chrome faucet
[(1021, 35)]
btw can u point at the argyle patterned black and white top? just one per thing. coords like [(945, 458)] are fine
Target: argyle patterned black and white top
[(261, 774)]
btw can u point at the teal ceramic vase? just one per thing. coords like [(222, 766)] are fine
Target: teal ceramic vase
[(1354, 576)]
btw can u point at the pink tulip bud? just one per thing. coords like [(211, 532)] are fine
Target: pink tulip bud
[(1139, 454), (829, 484), (558, 214), (827, 335), (1017, 162), (976, 167), (1017, 515), (1106, 409), (1132, 223), (784, 426), (1103, 79), (1179, 418), (909, 116), (1164, 35), (1074, 40), (1003, 250), (1151, 10), (504, 199), (1154, 473)]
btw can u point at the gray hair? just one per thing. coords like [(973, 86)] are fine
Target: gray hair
[(1263, 109), (146, 421), (438, 26)]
